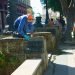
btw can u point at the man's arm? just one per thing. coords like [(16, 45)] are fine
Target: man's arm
[(21, 26)]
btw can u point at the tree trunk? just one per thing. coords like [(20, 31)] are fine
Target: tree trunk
[(70, 22), (69, 27), (64, 6), (69, 13)]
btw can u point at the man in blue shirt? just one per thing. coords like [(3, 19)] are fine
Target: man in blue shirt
[(23, 25)]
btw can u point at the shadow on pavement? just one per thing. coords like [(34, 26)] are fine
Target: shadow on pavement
[(60, 52), (64, 49), (50, 69), (66, 46), (63, 70)]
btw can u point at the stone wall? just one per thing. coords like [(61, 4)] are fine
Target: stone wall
[(13, 51), (50, 40), (16, 48)]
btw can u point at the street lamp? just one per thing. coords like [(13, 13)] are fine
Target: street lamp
[(47, 15)]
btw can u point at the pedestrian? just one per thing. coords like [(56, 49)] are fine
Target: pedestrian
[(62, 21), (23, 25), (73, 31), (58, 24), (51, 22)]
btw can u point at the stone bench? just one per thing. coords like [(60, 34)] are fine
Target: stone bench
[(30, 67)]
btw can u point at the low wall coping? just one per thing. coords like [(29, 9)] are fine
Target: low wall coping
[(28, 67)]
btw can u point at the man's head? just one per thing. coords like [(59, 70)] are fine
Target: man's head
[(30, 18)]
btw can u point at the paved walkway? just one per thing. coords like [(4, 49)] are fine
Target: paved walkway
[(64, 62)]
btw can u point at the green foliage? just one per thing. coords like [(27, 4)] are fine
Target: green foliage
[(54, 5), (7, 59), (14, 61), (8, 63), (2, 60)]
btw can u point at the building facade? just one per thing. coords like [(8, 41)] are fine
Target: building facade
[(15, 9), (10, 10), (3, 13)]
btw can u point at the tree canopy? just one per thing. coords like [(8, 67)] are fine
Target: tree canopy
[(67, 8), (54, 4)]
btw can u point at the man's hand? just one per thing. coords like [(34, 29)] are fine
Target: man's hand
[(26, 37)]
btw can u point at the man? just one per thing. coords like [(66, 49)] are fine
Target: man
[(23, 25), (62, 22)]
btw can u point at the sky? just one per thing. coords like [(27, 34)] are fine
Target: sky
[(37, 7)]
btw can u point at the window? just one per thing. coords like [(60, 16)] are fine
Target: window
[(0, 6), (5, 7)]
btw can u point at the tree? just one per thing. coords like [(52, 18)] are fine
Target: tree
[(67, 8), (55, 5)]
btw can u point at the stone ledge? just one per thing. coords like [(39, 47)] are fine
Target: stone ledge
[(29, 67)]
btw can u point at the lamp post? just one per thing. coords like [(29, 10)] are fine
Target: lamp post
[(47, 15)]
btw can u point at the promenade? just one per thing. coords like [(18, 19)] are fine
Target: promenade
[(64, 63)]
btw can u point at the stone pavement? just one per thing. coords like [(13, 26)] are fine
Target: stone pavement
[(71, 63), (64, 64), (49, 70)]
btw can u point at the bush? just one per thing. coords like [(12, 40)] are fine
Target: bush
[(8, 63)]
